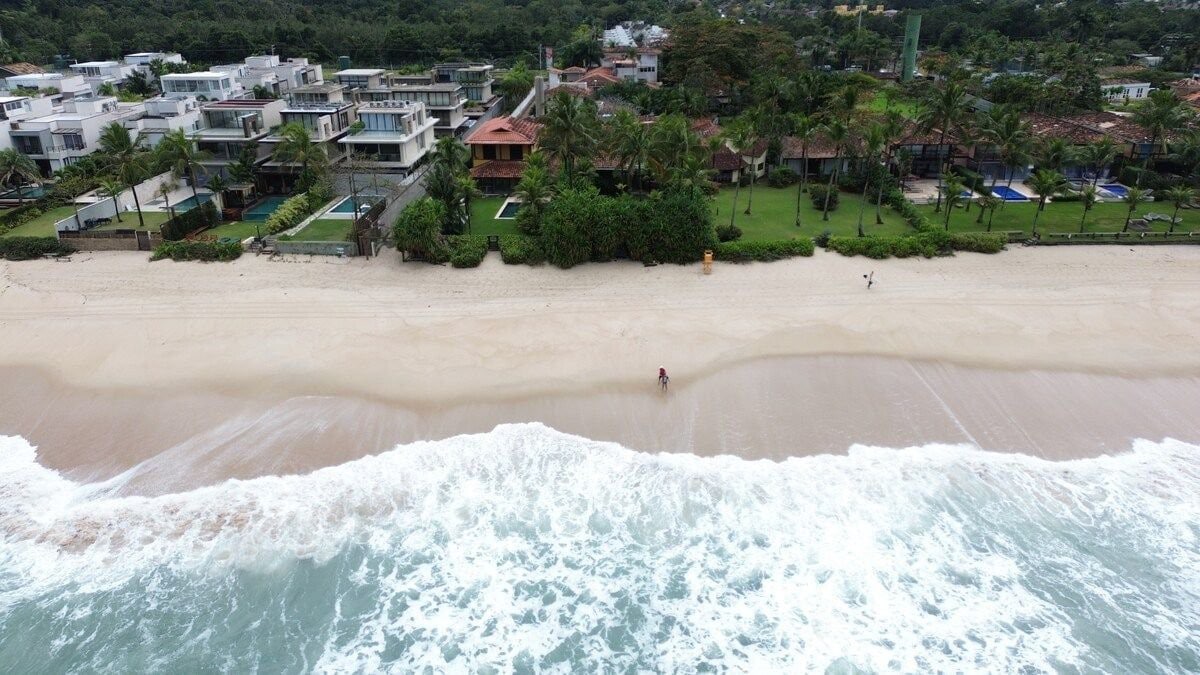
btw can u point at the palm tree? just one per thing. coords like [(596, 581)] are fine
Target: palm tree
[(691, 176), (893, 130), (804, 127), (178, 150), (946, 108), (837, 133), (570, 130), (1097, 156), (449, 152), (535, 188), (1179, 196), (1045, 183), (630, 140), (1004, 129), (112, 187), (1133, 196), (671, 142), (296, 146), (742, 138), (954, 189), (165, 189), (14, 165), (1054, 154), (874, 142), (1186, 151), (1160, 113), (128, 159), (468, 192), (988, 202), (1087, 197)]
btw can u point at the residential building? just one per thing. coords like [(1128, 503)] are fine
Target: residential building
[(1125, 89), (162, 115), (640, 64), (1147, 60), (327, 122), (65, 84), (361, 78), (204, 86), (62, 137), (280, 76), (228, 127), (853, 10), (499, 147), (318, 93), (19, 68), (445, 102), (100, 73), (476, 81), (142, 60), (395, 134)]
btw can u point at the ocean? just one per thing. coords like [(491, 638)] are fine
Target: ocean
[(529, 550)]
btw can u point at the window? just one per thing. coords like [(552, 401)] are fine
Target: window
[(516, 152), (489, 152), (29, 145), (647, 69), (73, 142)]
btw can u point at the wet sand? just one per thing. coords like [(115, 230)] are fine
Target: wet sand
[(769, 408)]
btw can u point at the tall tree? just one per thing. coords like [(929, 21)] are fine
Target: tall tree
[(874, 144), (1097, 156), (1160, 113), (128, 159), (838, 134), (17, 168), (742, 139), (1179, 196), (296, 146), (1133, 196), (570, 130), (630, 139), (112, 187), (181, 154), (804, 127), (1087, 199), (942, 111), (1046, 183)]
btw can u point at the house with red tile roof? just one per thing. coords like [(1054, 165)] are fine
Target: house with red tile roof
[(499, 148)]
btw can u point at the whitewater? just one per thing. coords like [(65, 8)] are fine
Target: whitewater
[(525, 549)]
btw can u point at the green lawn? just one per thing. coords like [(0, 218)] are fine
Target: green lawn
[(129, 221), (236, 229), (43, 225), (483, 219), (1063, 217), (879, 104), (773, 215), (326, 229)]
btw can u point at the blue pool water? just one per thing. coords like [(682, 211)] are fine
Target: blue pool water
[(263, 208), (1008, 194), (347, 204), (509, 210), (190, 203), (26, 192), (1116, 189)]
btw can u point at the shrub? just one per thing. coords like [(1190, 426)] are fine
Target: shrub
[(978, 242), (467, 250), (190, 221), (674, 226), (728, 233), (29, 248), (519, 249), (569, 224), (927, 243), (782, 176), (822, 239), (817, 194), (417, 230), (763, 251), (207, 251), (289, 214)]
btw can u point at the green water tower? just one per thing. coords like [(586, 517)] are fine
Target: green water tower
[(343, 63), (912, 36)]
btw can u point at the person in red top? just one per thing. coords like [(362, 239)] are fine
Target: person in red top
[(663, 380)]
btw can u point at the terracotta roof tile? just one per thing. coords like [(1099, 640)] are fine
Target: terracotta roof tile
[(505, 131), (21, 68), (498, 168)]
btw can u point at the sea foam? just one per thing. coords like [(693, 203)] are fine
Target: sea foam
[(528, 549)]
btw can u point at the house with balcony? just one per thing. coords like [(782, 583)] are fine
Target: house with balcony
[(395, 136), (62, 137), (326, 122), (228, 127), (203, 86), (66, 85), (163, 115), (142, 60), (634, 64), (476, 81), (445, 102), (100, 73), (355, 79), (280, 76), (499, 148)]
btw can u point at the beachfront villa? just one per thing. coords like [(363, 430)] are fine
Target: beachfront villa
[(498, 150), (395, 135)]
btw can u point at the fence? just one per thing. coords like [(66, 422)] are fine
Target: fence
[(1063, 238), (112, 240), (185, 223)]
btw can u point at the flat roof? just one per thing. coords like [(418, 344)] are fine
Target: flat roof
[(203, 75), (439, 86), (95, 64), (352, 72), (318, 88), (10, 99)]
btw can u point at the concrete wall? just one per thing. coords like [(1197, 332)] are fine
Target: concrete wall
[(107, 241), (347, 248)]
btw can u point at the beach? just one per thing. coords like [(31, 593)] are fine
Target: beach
[(981, 463), (1063, 353)]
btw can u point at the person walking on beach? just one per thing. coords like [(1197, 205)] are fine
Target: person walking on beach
[(870, 279), (663, 380)]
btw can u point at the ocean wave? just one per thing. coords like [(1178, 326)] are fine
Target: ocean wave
[(525, 548)]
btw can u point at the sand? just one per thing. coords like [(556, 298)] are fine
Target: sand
[(1061, 352)]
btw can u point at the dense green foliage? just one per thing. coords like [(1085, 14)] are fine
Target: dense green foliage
[(521, 249), (763, 251), (29, 248), (466, 250), (206, 251), (290, 213), (190, 221), (927, 242), (417, 230)]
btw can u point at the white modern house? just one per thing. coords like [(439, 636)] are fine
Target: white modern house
[(100, 73), (361, 78), (162, 115), (203, 86), (445, 103), (67, 85), (60, 138), (279, 76), (142, 60), (396, 135), (1119, 90), (639, 64), (326, 121), (228, 127)]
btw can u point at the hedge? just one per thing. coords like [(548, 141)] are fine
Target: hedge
[(763, 251), (817, 194), (30, 248), (467, 250), (290, 213), (190, 221), (197, 250), (521, 249), (927, 243)]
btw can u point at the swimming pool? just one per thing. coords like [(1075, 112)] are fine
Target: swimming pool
[(347, 205), (509, 210), (1116, 189), (190, 203), (26, 192), (1008, 194), (263, 208)]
